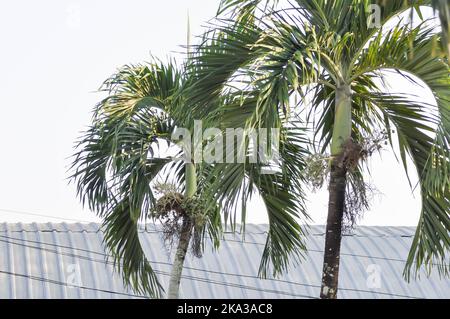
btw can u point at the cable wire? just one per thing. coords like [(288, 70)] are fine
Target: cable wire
[(40, 215), (189, 277), (239, 241), (195, 269), (56, 282), (227, 239)]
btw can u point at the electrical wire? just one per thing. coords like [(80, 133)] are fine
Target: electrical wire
[(40, 215), (242, 242), (185, 267), (309, 250), (189, 277), (56, 282), (228, 239), (195, 269)]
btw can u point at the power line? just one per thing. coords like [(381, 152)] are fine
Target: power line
[(188, 277), (40, 215), (230, 240), (342, 254), (185, 267), (111, 263), (56, 282), (156, 271), (195, 269), (309, 250), (234, 285)]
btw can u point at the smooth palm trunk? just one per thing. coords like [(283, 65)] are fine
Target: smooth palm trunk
[(180, 255), (330, 275), (333, 236), (444, 15), (185, 237)]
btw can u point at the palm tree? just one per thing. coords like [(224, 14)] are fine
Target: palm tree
[(117, 167), (117, 170), (325, 58)]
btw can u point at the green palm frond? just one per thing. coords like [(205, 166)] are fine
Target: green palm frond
[(121, 237), (411, 53), (306, 48), (214, 62), (248, 72), (282, 193), (415, 125), (117, 161)]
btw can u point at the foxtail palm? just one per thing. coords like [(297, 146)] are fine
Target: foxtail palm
[(117, 166), (328, 52)]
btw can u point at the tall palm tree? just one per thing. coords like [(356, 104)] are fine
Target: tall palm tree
[(325, 58), (117, 164), (117, 167)]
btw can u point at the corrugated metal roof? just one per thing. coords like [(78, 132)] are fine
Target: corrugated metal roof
[(68, 261)]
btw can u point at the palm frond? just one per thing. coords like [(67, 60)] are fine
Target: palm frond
[(234, 184), (214, 64), (117, 161), (320, 43), (420, 137)]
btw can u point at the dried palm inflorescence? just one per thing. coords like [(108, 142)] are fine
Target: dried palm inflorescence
[(359, 193), (176, 213)]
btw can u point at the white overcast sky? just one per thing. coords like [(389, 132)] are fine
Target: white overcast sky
[(55, 53)]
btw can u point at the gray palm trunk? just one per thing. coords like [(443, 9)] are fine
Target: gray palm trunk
[(185, 236), (341, 134), (180, 256)]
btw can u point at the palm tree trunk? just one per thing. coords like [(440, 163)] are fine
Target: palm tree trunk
[(180, 255), (341, 134), (444, 15), (185, 236), (330, 274)]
